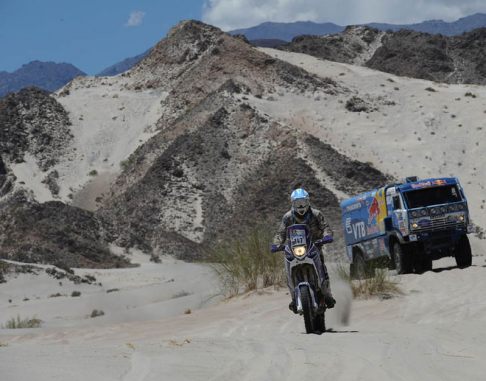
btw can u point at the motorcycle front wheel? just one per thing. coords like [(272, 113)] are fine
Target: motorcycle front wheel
[(308, 310)]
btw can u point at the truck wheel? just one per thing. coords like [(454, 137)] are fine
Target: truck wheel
[(463, 253), (402, 260)]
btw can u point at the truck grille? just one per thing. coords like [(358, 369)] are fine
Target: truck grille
[(440, 223)]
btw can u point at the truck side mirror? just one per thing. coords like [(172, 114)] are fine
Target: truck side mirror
[(388, 224)]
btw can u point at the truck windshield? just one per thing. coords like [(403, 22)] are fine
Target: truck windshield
[(432, 196)]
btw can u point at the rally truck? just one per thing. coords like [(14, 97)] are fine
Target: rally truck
[(407, 225)]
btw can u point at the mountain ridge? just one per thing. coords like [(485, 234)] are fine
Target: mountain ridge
[(287, 31)]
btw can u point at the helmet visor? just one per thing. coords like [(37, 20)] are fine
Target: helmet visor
[(301, 205)]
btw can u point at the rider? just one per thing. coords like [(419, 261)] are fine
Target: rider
[(302, 213)]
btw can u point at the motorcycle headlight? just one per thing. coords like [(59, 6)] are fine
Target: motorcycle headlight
[(299, 251)]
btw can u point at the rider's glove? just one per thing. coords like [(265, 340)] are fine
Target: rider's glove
[(327, 239), (324, 240), (275, 248)]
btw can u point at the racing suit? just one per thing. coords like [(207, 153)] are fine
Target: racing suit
[(319, 228)]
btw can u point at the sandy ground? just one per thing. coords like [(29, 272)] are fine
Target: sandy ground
[(435, 331)]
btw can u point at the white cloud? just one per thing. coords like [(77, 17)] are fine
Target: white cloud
[(135, 18), (232, 14)]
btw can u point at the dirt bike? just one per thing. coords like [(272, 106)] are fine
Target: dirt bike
[(305, 275)]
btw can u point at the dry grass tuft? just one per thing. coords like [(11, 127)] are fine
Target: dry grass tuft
[(247, 264), (378, 284), (16, 323)]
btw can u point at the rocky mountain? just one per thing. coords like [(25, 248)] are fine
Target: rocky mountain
[(460, 26), (49, 76), (458, 59), (36, 131), (198, 165), (288, 31), (268, 43)]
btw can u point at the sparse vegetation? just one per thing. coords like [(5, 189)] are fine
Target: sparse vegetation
[(55, 295), (16, 323), (94, 172), (181, 294), (379, 283), (75, 294), (3, 270), (247, 264), (431, 89), (112, 290), (471, 95), (96, 313), (356, 104), (188, 311)]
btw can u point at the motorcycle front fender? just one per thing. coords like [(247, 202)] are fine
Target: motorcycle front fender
[(299, 297)]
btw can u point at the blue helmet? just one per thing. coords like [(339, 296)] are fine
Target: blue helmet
[(300, 201)]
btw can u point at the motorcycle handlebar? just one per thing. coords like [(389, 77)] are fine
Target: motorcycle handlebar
[(320, 242)]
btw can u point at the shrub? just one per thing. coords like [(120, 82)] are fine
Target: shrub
[(379, 283), (16, 323), (469, 94), (431, 89), (75, 294), (94, 172), (96, 313), (247, 264), (4, 267)]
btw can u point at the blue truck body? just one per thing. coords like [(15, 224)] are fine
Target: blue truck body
[(428, 219)]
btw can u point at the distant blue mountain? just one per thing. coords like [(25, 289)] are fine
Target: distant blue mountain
[(287, 31), (49, 76), (122, 66)]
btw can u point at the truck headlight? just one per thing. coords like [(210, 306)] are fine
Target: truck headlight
[(299, 251), (415, 225)]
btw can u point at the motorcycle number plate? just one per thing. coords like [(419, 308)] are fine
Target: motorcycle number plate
[(297, 237)]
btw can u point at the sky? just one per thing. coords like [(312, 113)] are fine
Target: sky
[(94, 34)]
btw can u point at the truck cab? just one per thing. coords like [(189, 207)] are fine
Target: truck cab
[(409, 224)]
